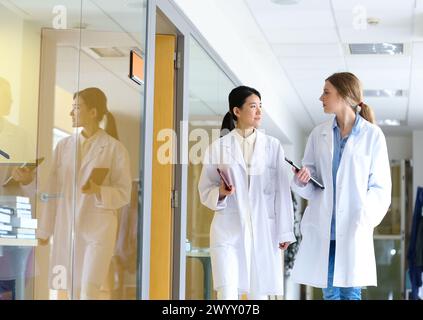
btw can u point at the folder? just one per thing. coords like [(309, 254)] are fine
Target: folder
[(97, 175)]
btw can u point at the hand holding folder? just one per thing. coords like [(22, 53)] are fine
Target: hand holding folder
[(96, 177), (225, 179)]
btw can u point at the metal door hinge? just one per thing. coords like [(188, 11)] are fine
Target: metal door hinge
[(177, 60), (174, 199)]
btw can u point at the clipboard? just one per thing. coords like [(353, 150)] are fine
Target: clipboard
[(31, 165), (297, 168), (97, 175)]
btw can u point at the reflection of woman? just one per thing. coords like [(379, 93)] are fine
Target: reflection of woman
[(349, 155), (13, 260), (83, 222), (254, 219)]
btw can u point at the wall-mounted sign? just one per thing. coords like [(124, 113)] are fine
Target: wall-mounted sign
[(136, 67)]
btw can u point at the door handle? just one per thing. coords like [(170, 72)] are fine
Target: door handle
[(45, 197)]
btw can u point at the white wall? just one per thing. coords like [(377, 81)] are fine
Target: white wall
[(417, 161), (400, 147)]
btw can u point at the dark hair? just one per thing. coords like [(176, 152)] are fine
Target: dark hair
[(236, 98), (349, 88), (95, 98)]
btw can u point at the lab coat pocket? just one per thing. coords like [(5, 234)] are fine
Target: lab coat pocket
[(305, 221), (361, 169), (365, 219), (270, 181)]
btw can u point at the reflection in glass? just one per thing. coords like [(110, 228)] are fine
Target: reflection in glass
[(391, 223), (208, 90), (16, 180), (54, 51), (102, 186), (388, 261)]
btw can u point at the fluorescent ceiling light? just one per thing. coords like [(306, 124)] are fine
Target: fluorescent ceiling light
[(206, 123), (111, 52), (383, 93), (283, 2), (389, 122), (377, 48)]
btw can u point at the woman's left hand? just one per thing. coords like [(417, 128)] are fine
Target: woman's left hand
[(283, 245)]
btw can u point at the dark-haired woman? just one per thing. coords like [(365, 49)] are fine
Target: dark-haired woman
[(81, 216), (349, 155), (254, 219)]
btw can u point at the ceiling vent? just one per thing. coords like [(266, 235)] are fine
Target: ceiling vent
[(384, 93), (377, 48)]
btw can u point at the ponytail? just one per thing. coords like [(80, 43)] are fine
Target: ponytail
[(228, 124), (111, 128), (367, 113), (95, 98)]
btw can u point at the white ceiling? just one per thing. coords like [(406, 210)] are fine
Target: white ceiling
[(107, 23), (110, 23), (310, 41)]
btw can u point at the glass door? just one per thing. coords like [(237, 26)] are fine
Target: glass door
[(209, 87), (389, 242), (73, 173)]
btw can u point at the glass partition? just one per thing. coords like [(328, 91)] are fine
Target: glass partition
[(69, 172), (209, 87)]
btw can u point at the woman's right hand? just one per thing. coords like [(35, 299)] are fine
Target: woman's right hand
[(302, 176), (223, 192)]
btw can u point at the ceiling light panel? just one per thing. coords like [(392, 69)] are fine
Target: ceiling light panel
[(385, 93), (377, 48)]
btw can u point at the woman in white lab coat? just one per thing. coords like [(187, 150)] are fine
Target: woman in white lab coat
[(14, 181), (254, 220), (83, 221), (348, 155)]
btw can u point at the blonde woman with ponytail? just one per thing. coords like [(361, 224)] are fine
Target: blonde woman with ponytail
[(82, 214), (349, 155)]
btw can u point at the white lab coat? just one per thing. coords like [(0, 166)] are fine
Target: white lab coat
[(267, 201), (363, 196), (86, 259)]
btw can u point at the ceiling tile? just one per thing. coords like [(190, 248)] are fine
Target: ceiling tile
[(308, 50), (383, 78), (328, 63), (378, 62)]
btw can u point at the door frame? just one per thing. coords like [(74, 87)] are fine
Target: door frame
[(186, 31)]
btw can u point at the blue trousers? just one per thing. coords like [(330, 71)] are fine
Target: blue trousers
[(336, 293)]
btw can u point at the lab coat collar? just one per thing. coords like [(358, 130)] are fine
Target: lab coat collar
[(327, 136), (259, 154), (356, 127), (98, 144), (231, 146)]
